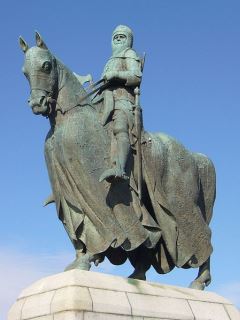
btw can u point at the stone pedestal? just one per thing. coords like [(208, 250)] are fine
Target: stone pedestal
[(83, 295)]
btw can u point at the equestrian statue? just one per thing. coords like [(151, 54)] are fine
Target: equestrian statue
[(120, 191)]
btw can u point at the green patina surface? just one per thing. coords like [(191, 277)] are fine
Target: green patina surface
[(120, 192)]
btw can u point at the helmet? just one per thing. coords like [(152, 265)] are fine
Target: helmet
[(126, 31), (121, 29)]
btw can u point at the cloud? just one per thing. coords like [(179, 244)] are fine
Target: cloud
[(231, 291)]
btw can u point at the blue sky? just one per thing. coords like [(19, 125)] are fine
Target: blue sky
[(190, 90)]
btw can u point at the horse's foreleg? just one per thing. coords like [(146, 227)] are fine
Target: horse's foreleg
[(80, 253), (81, 262), (83, 259), (204, 277)]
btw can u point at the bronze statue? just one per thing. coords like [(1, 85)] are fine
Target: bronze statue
[(167, 223)]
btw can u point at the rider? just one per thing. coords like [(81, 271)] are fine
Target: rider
[(124, 73)]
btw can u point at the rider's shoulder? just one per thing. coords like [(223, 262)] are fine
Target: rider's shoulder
[(131, 53)]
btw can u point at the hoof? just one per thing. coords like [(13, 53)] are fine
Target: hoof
[(80, 264), (83, 266), (138, 275), (202, 281), (197, 285), (71, 266)]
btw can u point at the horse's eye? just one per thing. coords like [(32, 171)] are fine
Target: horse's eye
[(47, 66)]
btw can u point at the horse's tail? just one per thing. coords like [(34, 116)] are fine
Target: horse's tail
[(207, 185)]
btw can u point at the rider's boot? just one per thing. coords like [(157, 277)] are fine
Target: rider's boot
[(123, 148)]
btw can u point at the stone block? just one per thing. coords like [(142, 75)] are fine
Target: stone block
[(108, 316), (208, 311), (69, 315), (110, 282), (50, 283), (16, 310), (233, 312), (49, 317), (170, 291), (107, 301), (160, 307), (84, 295), (71, 298), (37, 305), (198, 295)]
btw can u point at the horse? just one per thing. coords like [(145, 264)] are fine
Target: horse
[(168, 227)]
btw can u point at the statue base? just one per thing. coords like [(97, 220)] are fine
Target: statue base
[(84, 295)]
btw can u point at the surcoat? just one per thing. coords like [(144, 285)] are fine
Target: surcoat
[(128, 65)]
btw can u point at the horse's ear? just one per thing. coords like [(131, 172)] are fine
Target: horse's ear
[(23, 44), (39, 41)]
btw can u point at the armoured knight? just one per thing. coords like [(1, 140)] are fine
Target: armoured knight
[(124, 73)]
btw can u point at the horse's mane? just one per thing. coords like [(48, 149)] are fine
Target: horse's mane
[(70, 89)]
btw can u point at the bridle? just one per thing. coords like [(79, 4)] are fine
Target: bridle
[(50, 90)]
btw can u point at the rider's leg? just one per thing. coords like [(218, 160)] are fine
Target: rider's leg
[(123, 148), (120, 131), (121, 134)]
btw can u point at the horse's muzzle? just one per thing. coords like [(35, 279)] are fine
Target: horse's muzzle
[(39, 106)]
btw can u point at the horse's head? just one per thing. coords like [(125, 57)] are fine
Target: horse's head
[(40, 68)]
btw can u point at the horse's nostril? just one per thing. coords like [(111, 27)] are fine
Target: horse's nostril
[(42, 99)]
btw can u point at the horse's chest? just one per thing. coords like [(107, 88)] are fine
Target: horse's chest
[(79, 141)]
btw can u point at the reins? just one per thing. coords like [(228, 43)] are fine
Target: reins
[(99, 88)]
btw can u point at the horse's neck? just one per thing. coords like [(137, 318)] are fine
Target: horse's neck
[(70, 90)]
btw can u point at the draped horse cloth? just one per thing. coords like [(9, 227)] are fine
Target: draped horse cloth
[(98, 214), (102, 215), (182, 195)]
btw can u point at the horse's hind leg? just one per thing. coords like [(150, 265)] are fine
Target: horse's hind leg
[(204, 277), (141, 259)]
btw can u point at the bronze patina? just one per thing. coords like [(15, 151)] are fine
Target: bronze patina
[(120, 192)]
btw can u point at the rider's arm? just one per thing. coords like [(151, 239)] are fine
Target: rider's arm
[(133, 75)]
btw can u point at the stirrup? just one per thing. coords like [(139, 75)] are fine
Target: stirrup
[(111, 174)]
